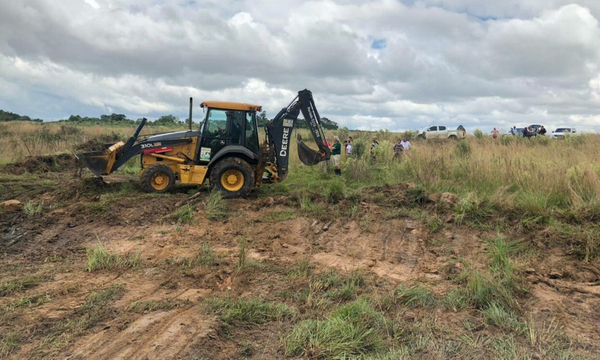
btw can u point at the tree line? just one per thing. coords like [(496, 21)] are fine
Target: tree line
[(327, 124), (166, 120), (9, 116)]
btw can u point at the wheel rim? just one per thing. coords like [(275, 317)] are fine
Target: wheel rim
[(160, 181), (232, 180)]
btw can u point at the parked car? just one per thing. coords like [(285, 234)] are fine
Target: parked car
[(535, 127), (534, 130), (561, 132), (442, 132)]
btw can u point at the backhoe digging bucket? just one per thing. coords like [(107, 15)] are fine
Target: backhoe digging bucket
[(101, 162), (309, 156)]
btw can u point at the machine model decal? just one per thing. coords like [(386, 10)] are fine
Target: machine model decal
[(150, 145), (205, 154)]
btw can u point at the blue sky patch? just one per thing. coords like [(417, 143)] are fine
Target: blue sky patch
[(379, 44)]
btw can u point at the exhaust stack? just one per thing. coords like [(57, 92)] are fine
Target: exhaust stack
[(191, 105)]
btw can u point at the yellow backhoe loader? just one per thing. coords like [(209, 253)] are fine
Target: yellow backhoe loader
[(225, 149)]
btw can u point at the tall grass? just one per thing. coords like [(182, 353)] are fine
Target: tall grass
[(20, 139), (535, 176)]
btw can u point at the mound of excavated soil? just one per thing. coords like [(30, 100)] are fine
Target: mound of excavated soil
[(42, 164), (95, 144)]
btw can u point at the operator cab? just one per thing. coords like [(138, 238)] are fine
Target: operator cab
[(227, 124)]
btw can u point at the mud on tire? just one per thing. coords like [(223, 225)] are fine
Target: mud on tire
[(157, 178), (235, 166)]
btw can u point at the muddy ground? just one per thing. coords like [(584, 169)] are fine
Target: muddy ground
[(54, 308)]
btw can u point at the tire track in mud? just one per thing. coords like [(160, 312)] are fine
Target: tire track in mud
[(157, 335)]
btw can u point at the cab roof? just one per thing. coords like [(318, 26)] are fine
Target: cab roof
[(231, 106)]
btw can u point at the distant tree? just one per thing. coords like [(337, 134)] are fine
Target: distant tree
[(167, 120), (262, 119), (9, 116), (114, 118), (328, 124), (325, 122)]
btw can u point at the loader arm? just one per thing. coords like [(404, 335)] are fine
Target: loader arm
[(279, 134), (107, 161)]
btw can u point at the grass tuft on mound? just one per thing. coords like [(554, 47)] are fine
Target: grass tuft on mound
[(248, 311), (100, 258), (351, 330)]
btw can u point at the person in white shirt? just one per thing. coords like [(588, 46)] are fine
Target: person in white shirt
[(405, 144), (349, 148)]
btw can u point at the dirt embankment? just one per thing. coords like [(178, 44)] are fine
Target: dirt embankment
[(60, 310)]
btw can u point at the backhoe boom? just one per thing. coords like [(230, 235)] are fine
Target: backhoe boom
[(279, 133)]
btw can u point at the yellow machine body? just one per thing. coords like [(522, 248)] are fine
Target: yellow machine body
[(175, 158)]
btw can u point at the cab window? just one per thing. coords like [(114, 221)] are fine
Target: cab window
[(216, 123), (442, 128), (251, 132), (237, 127), (433, 128)]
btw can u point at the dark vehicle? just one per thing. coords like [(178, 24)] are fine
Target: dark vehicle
[(519, 132), (532, 130), (535, 128)]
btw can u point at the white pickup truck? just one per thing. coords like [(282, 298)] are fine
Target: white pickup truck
[(560, 133), (442, 132)]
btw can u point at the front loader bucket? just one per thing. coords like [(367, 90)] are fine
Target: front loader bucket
[(101, 162)]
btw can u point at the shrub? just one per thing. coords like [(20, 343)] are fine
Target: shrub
[(335, 193), (215, 206), (358, 148), (185, 214), (462, 148)]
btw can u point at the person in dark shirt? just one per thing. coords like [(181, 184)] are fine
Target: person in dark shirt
[(398, 149), (542, 131), (336, 153)]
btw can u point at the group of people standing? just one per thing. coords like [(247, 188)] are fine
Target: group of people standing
[(401, 146), (527, 132), (530, 131), (336, 150)]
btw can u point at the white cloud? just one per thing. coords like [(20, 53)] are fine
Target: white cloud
[(482, 64)]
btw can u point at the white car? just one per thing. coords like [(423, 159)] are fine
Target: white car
[(442, 132), (561, 132)]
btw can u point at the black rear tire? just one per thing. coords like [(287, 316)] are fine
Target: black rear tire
[(233, 177), (157, 178)]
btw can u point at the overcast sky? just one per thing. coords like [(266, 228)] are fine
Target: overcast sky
[(381, 64)]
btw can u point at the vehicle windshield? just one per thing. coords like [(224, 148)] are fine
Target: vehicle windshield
[(562, 130)]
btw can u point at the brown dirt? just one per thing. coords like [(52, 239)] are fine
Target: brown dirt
[(77, 215), (42, 164)]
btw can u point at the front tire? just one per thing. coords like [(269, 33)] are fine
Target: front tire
[(233, 177), (158, 178)]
